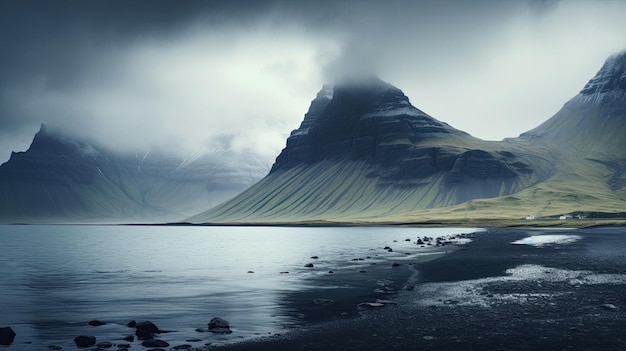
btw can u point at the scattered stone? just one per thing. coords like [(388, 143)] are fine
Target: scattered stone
[(182, 347), (323, 302), (250, 271), (7, 335), (131, 324), (104, 345), (370, 305), (155, 343), (129, 338), (54, 347), (386, 248), (143, 334), (407, 239), (96, 323), (220, 326), (147, 326), (85, 341), (395, 264), (314, 257), (193, 340), (308, 265), (330, 272)]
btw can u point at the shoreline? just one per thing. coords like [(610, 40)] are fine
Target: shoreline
[(492, 295)]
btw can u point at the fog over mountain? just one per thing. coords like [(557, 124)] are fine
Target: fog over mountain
[(194, 76)]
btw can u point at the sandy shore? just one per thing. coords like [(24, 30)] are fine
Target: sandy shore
[(489, 295)]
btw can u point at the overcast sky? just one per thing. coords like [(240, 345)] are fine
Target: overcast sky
[(198, 75)]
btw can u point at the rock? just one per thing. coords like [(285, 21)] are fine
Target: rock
[(131, 324), (193, 340), (147, 326), (104, 345), (309, 265), (395, 264), (390, 250), (370, 305), (428, 337), (323, 302), (330, 272), (386, 302), (284, 272), (96, 323), (386, 248), (220, 326), (54, 347), (129, 338), (7, 335), (407, 239), (314, 257), (155, 343), (182, 347), (85, 341), (123, 346), (250, 271), (409, 287)]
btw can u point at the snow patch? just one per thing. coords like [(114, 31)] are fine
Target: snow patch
[(542, 240)]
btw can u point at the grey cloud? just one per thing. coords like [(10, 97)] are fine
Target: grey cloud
[(240, 74)]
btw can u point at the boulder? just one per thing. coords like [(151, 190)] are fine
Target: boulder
[(155, 343), (309, 265), (7, 335), (323, 302), (85, 341), (146, 330), (371, 305), (96, 323), (219, 325)]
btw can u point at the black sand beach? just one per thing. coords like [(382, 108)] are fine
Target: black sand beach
[(489, 295)]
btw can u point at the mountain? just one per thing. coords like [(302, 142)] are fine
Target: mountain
[(66, 179), (364, 153)]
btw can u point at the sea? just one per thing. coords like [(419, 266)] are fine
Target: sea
[(54, 279)]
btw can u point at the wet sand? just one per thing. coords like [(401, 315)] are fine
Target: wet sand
[(489, 295)]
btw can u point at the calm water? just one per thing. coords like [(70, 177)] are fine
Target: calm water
[(54, 279)]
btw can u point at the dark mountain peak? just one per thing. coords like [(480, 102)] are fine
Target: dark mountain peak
[(358, 119), (597, 114), (611, 77)]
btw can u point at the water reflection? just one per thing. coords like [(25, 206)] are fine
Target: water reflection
[(57, 278)]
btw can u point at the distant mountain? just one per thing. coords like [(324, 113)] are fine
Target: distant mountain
[(65, 179)]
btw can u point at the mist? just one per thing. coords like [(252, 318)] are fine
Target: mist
[(196, 77)]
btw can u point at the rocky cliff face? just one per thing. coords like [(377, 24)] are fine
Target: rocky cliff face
[(359, 120), (64, 179)]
